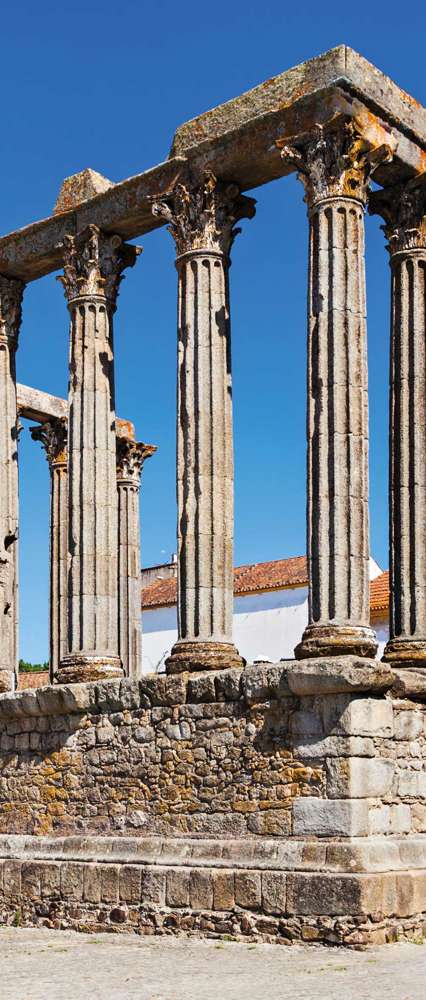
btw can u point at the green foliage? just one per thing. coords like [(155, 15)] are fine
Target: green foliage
[(32, 668)]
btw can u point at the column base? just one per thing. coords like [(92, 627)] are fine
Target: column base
[(337, 640), (78, 667), (7, 681), (405, 652), (194, 655)]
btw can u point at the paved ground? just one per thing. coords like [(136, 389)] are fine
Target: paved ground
[(41, 964)]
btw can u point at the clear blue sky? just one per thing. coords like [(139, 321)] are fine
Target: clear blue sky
[(105, 85)]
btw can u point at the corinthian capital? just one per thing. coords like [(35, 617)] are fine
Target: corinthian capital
[(53, 436), (11, 292), (202, 214), (131, 456), (93, 262), (337, 159), (403, 208)]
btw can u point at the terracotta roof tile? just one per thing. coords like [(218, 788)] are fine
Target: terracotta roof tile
[(379, 593), (260, 577), (247, 580)]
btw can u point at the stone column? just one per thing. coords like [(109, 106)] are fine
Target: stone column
[(11, 292), (53, 437), (335, 164), (404, 211), (130, 459), (92, 273), (202, 214)]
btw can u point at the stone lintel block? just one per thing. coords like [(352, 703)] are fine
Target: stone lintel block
[(335, 675), (78, 188), (330, 818), (359, 777)]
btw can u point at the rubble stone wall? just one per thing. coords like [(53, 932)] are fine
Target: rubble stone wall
[(226, 754)]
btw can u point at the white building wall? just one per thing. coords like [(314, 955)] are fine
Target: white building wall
[(265, 625)]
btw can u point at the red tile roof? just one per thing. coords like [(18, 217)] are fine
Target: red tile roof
[(261, 577), (247, 580), (379, 593)]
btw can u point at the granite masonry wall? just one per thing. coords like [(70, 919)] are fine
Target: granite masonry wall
[(217, 803)]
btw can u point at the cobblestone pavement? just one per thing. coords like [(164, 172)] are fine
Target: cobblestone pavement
[(39, 964)]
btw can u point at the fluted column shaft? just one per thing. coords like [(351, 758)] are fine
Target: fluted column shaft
[(93, 265), (404, 211), (130, 458), (334, 167), (53, 436), (202, 217), (11, 292)]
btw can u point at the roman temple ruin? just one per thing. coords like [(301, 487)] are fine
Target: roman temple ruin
[(278, 801)]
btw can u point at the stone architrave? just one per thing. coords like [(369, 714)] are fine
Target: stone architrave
[(53, 436), (202, 214), (131, 456), (11, 292), (335, 163), (93, 262), (404, 211)]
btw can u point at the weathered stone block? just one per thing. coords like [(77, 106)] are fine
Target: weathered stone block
[(72, 880), (92, 891), (201, 688), (359, 777), (201, 890), (273, 892), (223, 890), (346, 818), (109, 883), (412, 784), (51, 881), (248, 890), (321, 895), (31, 879), (130, 884), (177, 887), (153, 886), (270, 823), (368, 717), (12, 879), (408, 725)]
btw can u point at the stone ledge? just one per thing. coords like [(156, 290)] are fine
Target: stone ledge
[(372, 854), (337, 675), (253, 685)]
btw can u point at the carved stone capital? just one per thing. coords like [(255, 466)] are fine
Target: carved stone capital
[(336, 160), (11, 292), (202, 214), (53, 436), (403, 208), (131, 456), (93, 264)]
